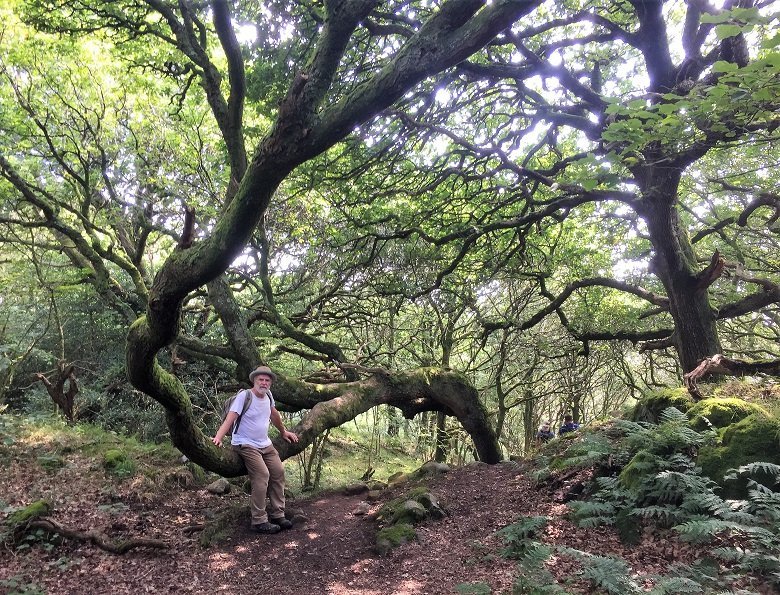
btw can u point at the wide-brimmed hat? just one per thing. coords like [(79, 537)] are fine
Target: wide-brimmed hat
[(261, 370)]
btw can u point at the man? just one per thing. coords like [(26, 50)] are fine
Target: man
[(545, 433), (251, 441), (568, 425)]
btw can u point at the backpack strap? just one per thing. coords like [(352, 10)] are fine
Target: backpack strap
[(244, 408)]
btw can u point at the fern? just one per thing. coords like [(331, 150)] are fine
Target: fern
[(672, 415), (771, 470), (663, 515), (518, 535), (605, 572), (702, 531), (676, 584), (534, 576), (591, 450)]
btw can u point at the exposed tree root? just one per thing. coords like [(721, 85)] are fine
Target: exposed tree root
[(720, 364), (96, 537)]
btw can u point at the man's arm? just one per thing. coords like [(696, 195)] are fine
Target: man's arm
[(276, 419), (230, 419)]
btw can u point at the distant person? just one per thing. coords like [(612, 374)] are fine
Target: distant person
[(251, 441), (568, 425), (545, 433)]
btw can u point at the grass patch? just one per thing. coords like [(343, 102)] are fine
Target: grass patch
[(347, 458)]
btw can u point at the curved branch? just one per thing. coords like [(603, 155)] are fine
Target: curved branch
[(331, 405)]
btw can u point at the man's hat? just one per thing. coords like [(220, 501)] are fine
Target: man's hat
[(262, 370)]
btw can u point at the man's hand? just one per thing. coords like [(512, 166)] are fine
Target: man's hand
[(290, 436), (217, 441)]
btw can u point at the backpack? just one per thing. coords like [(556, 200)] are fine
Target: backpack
[(229, 403)]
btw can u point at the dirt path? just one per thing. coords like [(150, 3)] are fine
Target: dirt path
[(330, 554)]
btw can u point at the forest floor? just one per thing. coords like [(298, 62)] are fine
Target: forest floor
[(331, 553)]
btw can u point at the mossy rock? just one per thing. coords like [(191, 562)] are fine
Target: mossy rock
[(642, 463), (409, 512), (397, 478), (199, 474), (721, 412), (754, 438), (393, 536), (650, 407), (393, 511)]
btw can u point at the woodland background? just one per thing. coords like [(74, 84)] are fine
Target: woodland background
[(463, 218)]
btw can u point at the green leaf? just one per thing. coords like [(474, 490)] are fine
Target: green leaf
[(726, 31), (723, 66), (590, 184)]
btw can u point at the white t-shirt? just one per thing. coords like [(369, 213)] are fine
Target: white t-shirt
[(253, 429)]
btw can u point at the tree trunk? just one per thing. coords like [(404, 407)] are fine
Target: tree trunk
[(674, 262), (442, 438)]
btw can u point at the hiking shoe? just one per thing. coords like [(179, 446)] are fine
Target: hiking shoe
[(266, 528), (282, 523)]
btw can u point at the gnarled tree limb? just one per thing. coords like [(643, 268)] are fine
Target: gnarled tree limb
[(720, 364)]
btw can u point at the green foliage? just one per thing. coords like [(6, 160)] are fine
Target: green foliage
[(533, 577), (473, 589), (347, 457), (591, 449), (393, 536), (51, 461), (18, 585), (605, 572), (663, 485), (517, 536)]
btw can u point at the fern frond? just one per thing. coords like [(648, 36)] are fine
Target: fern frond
[(607, 483), (629, 428), (517, 536), (763, 468), (705, 502), (676, 584), (702, 531), (534, 576), (666, 515), (673, 415), (606, 572), (582, 510)]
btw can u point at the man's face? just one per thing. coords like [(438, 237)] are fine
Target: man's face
[(262, 381)]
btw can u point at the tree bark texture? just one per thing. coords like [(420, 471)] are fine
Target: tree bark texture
[(695, 333)]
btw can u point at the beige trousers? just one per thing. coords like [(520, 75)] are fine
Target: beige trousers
[(266, 476)]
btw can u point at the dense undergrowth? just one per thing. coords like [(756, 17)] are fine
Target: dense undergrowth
[(647, 478)]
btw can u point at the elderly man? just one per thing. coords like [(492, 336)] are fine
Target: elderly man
[(251, 441)]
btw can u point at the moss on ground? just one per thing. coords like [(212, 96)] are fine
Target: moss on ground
[(651, 405), (722, 412), (754, 438), (393, 536), (640, 465)]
